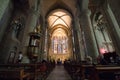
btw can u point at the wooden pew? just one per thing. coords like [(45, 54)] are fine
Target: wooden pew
[(105, 68), (75, 71), (80, 70), (87, 71), (32, 69), (14, 74), (95, 70)]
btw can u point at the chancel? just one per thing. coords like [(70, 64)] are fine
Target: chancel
[(59, 40)]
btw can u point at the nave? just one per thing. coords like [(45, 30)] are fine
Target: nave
[(59, 73), (85, 34)]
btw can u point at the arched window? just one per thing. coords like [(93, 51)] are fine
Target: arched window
[(103, 37), (59, 44)]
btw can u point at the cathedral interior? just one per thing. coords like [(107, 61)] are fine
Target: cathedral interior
[(77, 39)]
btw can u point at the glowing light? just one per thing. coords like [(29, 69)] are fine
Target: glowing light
[(103, 50)]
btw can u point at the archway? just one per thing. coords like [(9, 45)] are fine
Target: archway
[(103, 38), (59, 28)]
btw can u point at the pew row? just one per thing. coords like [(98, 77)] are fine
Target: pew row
[(111, 71), (32, 69), (100, 72), (14, 74), (93, 72)]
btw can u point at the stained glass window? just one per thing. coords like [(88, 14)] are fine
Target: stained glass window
[(59, 44)]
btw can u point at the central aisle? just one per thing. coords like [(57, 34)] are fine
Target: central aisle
[(59, 73)]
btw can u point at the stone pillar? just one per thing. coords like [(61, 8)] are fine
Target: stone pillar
[(81, 47), (113, 27), (77, 38), (89, 41), (31, 22), (5, 14)]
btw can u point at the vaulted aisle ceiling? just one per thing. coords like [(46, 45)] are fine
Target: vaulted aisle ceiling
[(59, 20)]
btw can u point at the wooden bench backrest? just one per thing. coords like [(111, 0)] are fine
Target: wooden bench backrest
[(12, 73)]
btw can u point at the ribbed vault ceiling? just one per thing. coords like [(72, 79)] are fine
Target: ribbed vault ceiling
[(58, 20)]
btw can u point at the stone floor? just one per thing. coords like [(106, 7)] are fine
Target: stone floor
[(59, 73)]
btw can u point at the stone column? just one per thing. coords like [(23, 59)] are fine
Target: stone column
[(89, 41), (81, 47), (31, 22), (76, 34), (113, 27)]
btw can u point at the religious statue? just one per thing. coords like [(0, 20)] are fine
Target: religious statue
[(17, 26)]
